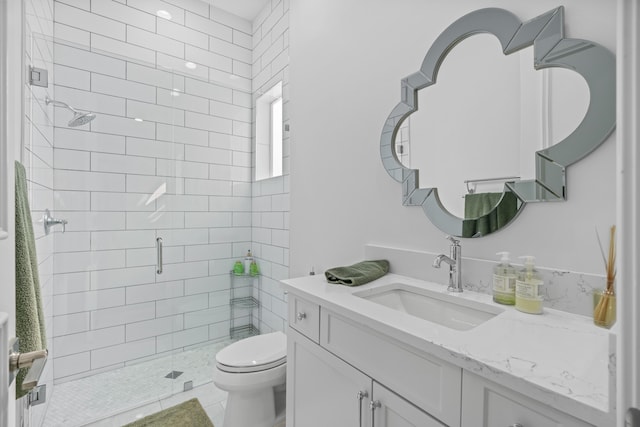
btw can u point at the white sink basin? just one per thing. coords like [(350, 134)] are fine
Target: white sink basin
[(443, 309)]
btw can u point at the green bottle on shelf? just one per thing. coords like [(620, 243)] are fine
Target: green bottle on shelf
[(238, 268), (253, 269)]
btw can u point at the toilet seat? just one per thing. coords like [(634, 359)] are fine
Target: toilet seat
[(254, 354)]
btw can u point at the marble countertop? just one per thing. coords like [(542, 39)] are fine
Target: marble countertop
[(557, 358)]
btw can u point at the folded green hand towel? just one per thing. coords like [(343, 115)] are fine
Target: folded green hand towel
[(357, 274)]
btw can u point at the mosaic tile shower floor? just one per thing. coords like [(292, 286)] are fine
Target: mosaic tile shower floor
[(123, 395)]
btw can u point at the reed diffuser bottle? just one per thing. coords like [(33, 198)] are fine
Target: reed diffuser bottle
[(604, 300)]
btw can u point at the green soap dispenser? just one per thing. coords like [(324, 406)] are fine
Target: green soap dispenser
[(504, 281), (529, 288)]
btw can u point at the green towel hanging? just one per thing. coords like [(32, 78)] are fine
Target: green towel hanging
[(487, 212), (30, 327)]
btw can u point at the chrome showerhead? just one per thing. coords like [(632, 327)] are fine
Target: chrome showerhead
[(79, 118)]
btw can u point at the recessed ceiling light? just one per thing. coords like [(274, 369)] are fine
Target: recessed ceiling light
[(190, 65), (163, 14), (137, 119)]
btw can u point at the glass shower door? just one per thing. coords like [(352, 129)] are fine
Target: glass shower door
[(117, 320), (157, 194)]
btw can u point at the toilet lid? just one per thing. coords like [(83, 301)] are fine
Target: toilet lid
[(254, 354)]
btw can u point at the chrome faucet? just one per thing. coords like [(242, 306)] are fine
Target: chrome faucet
[(455, 265)]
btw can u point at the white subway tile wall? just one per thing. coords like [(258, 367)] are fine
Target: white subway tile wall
[(270, 64), (38, 159), (182, 173)]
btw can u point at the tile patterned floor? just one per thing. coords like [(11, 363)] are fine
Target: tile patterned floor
[(117, 397), (211, 398)]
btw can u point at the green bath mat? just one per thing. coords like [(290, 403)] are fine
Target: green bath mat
[(186, 414)]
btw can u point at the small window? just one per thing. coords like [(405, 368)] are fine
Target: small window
[(269, 133)]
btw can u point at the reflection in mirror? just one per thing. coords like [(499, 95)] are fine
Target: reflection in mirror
[(593, 62), (482, 123)]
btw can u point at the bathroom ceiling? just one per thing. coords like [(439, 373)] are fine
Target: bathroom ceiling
[(247, 9)]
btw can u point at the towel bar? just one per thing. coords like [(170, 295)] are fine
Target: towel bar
[(474, 181)]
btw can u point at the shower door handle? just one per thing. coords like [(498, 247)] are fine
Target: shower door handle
[(34, 360), (159, 250)]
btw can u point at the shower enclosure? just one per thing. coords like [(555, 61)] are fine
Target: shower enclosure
[(156, 191), (152, 174)]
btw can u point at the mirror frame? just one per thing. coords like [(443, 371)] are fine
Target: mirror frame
[(595, 63)]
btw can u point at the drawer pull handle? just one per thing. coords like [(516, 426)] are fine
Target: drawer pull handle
[(516, 425), (302, 316), (373, 405), (361, 395)]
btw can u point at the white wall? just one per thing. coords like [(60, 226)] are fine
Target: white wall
[(110, 307), (271, 196), (347, 59)]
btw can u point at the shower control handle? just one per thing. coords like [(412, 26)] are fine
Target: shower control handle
[(159, 250), (301, 316)]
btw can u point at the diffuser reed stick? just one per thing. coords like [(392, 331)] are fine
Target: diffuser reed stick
[(605, 310)]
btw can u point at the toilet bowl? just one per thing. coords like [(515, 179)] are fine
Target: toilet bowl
[(251, 370)]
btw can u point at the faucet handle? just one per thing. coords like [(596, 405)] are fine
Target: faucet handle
[(452, 240)]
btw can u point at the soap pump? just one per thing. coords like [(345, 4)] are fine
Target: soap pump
[(247, 262), (504, 281), (529, 288)]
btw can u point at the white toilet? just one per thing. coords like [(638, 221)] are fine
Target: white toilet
[(252, 370)]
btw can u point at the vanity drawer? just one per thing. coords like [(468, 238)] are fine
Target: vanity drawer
[(304, 317), (487, 404), (427, 382)]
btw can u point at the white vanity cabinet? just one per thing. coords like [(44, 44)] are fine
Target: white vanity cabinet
[(330, 392), (419, 373), (326, 389), (427, 382), (391, 410), (487, 404), (405, 387), (304, 316)]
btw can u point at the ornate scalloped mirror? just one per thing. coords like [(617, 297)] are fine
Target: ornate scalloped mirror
[(521, 165)]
